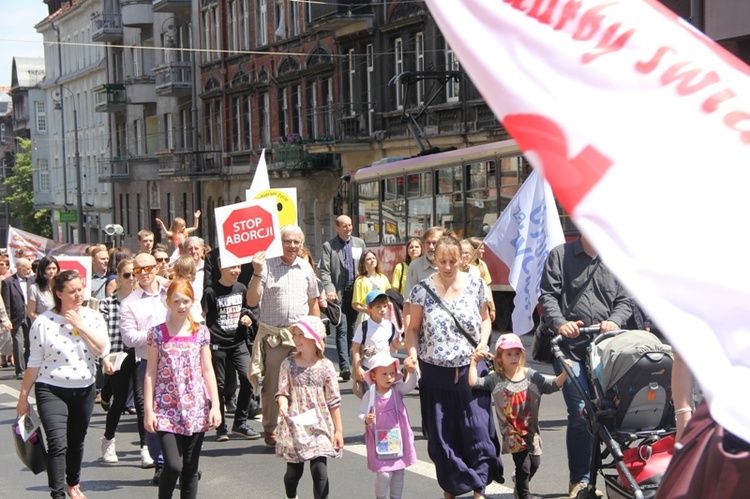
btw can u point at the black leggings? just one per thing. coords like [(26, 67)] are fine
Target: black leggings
[(65, 415), (526, 466), (119, 383), (319, 470), (182, 454)]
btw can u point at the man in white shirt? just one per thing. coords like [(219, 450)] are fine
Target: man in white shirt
[(143, 309)]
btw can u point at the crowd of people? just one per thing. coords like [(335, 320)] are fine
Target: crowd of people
[(180, 339)]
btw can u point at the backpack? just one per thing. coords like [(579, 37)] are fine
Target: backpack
[(394, 332)]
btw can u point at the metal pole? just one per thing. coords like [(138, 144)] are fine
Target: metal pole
[(62, 126), (79, 195)]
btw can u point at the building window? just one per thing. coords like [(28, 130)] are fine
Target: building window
[(294, 17), (216, 31), (264, 113), (206, 15), (237, 123), (139, 208), (262, 22), (248, 130), (297, 110), (419, 66), (244, 29), (138, 136), (352, 76), (233, 45), (328, 100), (168, 131), (452, 90), (208, 117), (41, 117), (187, 139), (43, 169), (283, 111), (398, 54), (312, 110)]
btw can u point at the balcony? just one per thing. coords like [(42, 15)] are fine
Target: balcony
[(137, 13), (294, 155), (106, 27), (110, 98), (140, 89), (341, 18), (113, 170), (190, 164), (174, 79), (172, 6)]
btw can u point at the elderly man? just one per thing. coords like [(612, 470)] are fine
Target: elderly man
[(286, 288), (143, 309), (338, 270), (578, 290), (15, 297)]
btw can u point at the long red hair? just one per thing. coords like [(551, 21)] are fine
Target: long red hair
[(184, 287)]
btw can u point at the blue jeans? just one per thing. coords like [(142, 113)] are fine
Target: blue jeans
[(578, 440), (152, 440)]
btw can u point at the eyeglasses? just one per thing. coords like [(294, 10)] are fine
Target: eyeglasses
[(162, 260), (147, 269), (127, 275)]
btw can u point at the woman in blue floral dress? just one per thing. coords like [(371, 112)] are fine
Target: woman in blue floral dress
[(181, 400)]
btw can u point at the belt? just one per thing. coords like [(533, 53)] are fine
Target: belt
[(348, 288)]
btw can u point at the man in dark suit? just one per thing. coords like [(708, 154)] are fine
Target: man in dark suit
[(338, 270), (15, 292)]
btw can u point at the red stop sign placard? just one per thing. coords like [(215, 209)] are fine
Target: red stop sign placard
[(248, 230), (82, 265)]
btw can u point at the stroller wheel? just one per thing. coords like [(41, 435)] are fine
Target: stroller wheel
[(588, 493)]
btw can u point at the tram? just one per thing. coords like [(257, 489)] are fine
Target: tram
[(464, 190)]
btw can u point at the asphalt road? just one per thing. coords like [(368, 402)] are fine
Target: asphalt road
[(246, 468)]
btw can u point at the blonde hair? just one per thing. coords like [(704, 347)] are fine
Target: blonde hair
[(184, 268), (498, 363)]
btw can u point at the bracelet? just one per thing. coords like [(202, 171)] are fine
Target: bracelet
[(257, 275), (683, 410)]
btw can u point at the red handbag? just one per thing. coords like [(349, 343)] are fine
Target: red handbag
[(649, 460), (701, 468)]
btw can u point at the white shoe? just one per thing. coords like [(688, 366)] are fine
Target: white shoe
[(146, 461), (109, 455)]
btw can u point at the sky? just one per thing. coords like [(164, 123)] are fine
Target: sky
[(17, 35)]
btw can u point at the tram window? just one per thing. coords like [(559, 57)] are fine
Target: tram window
[(449, 203), (394, 211), (419, 185), (481, 198), (420, 216), (368, 212)]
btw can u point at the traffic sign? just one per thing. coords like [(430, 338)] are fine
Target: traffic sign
[(81, 264), (68, 217), (247, 228)]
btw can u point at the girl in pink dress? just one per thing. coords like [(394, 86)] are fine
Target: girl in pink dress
[(181, 400), (388, 434), (309, 409)]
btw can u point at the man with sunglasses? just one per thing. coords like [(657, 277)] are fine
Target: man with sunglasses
[(143, 309)]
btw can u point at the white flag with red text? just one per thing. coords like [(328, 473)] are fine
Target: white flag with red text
[(641, 125), (522, 238)]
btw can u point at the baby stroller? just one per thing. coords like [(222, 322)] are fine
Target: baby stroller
[(630, 414)]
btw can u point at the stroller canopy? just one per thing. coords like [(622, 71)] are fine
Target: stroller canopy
[(620, 353)]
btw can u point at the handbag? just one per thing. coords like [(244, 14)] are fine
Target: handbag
[(32, 452), (702, 467), (541, 345)]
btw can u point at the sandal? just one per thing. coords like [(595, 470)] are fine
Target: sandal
[(74, 491)]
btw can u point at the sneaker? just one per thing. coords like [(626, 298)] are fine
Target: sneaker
[(230, 407), (245, 431), (146, 461), (346, 375), (575, 488), (222, 436), (157, 476), (109, 455)]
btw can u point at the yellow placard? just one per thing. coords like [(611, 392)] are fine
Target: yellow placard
[(285, 204)]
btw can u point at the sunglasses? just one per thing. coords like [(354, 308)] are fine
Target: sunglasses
[(127, 275), (162, 260), (147, 269)]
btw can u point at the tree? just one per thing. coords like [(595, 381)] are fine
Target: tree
[(21, 197)]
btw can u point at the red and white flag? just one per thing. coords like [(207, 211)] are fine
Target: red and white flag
[(522, 238), (641, 125)]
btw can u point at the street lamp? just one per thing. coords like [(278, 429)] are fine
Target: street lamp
[(79, 183)]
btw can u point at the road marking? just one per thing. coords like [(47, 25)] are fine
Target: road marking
[(6, 390), (427, 470)]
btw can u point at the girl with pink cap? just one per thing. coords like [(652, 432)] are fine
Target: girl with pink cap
[(388, 434), (309, 402), (516, 393)]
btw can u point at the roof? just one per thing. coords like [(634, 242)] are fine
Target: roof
[(27, 72)]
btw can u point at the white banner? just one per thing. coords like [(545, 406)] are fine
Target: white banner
[(522, 238), (21, 242), (642, 127)]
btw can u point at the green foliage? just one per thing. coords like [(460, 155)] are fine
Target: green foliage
[(21, 196)]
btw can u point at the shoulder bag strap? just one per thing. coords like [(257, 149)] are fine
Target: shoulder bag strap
[(583, 288), (442, 304)]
